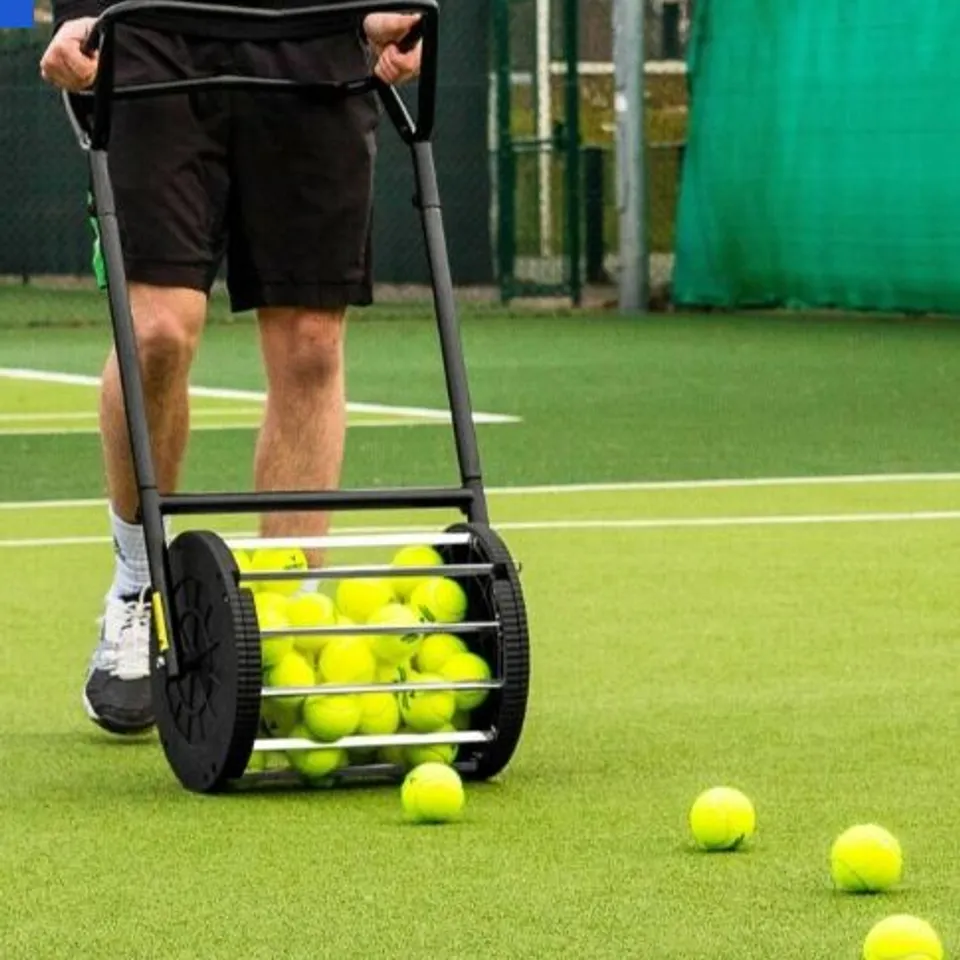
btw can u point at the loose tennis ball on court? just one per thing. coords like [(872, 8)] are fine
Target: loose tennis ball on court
[(866, 859), (347, 660), (311, 610), (420, 556), (440, 600), (427, 710), (722, 819), (436, 649), (379, 714), (359, 598), (314, 765), (433, 752), (392, 648), (463, 667), (270, 616), (331, 717), (267, 560), (902, 937), (432, 793)]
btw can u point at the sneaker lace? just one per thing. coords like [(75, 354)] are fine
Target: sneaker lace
[(127, 636)]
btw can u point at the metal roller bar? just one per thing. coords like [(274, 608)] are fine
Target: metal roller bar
[(282, 744), (407, 499), (404, 539), (386, 629), (332, 689), (451, 570)]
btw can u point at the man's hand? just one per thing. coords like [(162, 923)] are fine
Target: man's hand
[(385, 31), (64, 64)]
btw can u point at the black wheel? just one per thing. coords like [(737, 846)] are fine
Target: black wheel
[(207, 717), (506, 649)]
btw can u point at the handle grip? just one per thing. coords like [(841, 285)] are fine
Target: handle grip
[(297, 23), (92, 41)]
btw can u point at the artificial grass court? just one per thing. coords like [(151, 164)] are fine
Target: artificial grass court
[(794, 639)]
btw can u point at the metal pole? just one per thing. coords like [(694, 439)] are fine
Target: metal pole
[(544, 86), (628, 39), (573, 210)]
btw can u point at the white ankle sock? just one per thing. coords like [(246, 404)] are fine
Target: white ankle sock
[(131, 573)]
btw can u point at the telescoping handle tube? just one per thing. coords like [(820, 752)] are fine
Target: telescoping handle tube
[(297, 23)]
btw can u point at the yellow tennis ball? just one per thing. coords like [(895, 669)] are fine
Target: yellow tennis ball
[(440, 600), (387, 673), (311, 610), (379, 714), (294, 670), (271, 616), (722, 819), (314, 765), (242, 559), (463, 667), (359, 598), (395, 756), (436, 649), (461, 720), (270, 603), (418, 556), (347, 660), (331, 717), (432, 793), (433, 752), (267, 560), (391, 648), (426, 710), (902, 937), (279, 715), (866, 859)]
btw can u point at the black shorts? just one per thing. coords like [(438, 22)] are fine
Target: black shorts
[(279, 183)]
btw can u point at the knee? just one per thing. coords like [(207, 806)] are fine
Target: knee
[(303, 350), (168, 328)]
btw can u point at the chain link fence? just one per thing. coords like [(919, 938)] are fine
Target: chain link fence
[(554, 136), (525, 152), (43, 227)]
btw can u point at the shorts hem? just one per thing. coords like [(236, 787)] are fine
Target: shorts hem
[(158, 273), (309, 296)]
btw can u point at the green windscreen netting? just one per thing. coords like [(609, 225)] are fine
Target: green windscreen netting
[(822, 165)]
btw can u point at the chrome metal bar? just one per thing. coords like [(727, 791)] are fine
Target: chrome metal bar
[(383, 629), (333, 689), (283, 744)]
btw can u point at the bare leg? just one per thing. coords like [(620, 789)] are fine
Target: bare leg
[(302, 438), (168, 323)]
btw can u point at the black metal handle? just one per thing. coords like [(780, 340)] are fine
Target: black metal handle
[(303, 22)]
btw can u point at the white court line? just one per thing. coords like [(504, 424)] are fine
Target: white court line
[(625, 487), (195, 428), (223, 393), (94, 415), (665, 523)]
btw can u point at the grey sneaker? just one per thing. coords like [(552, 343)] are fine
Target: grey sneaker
[(117, 692)]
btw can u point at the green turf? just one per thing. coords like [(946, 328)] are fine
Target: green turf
[(601, 397), (812, 666), (683, 637)]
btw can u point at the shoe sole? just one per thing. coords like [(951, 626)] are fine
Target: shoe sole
[(121, 730)]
